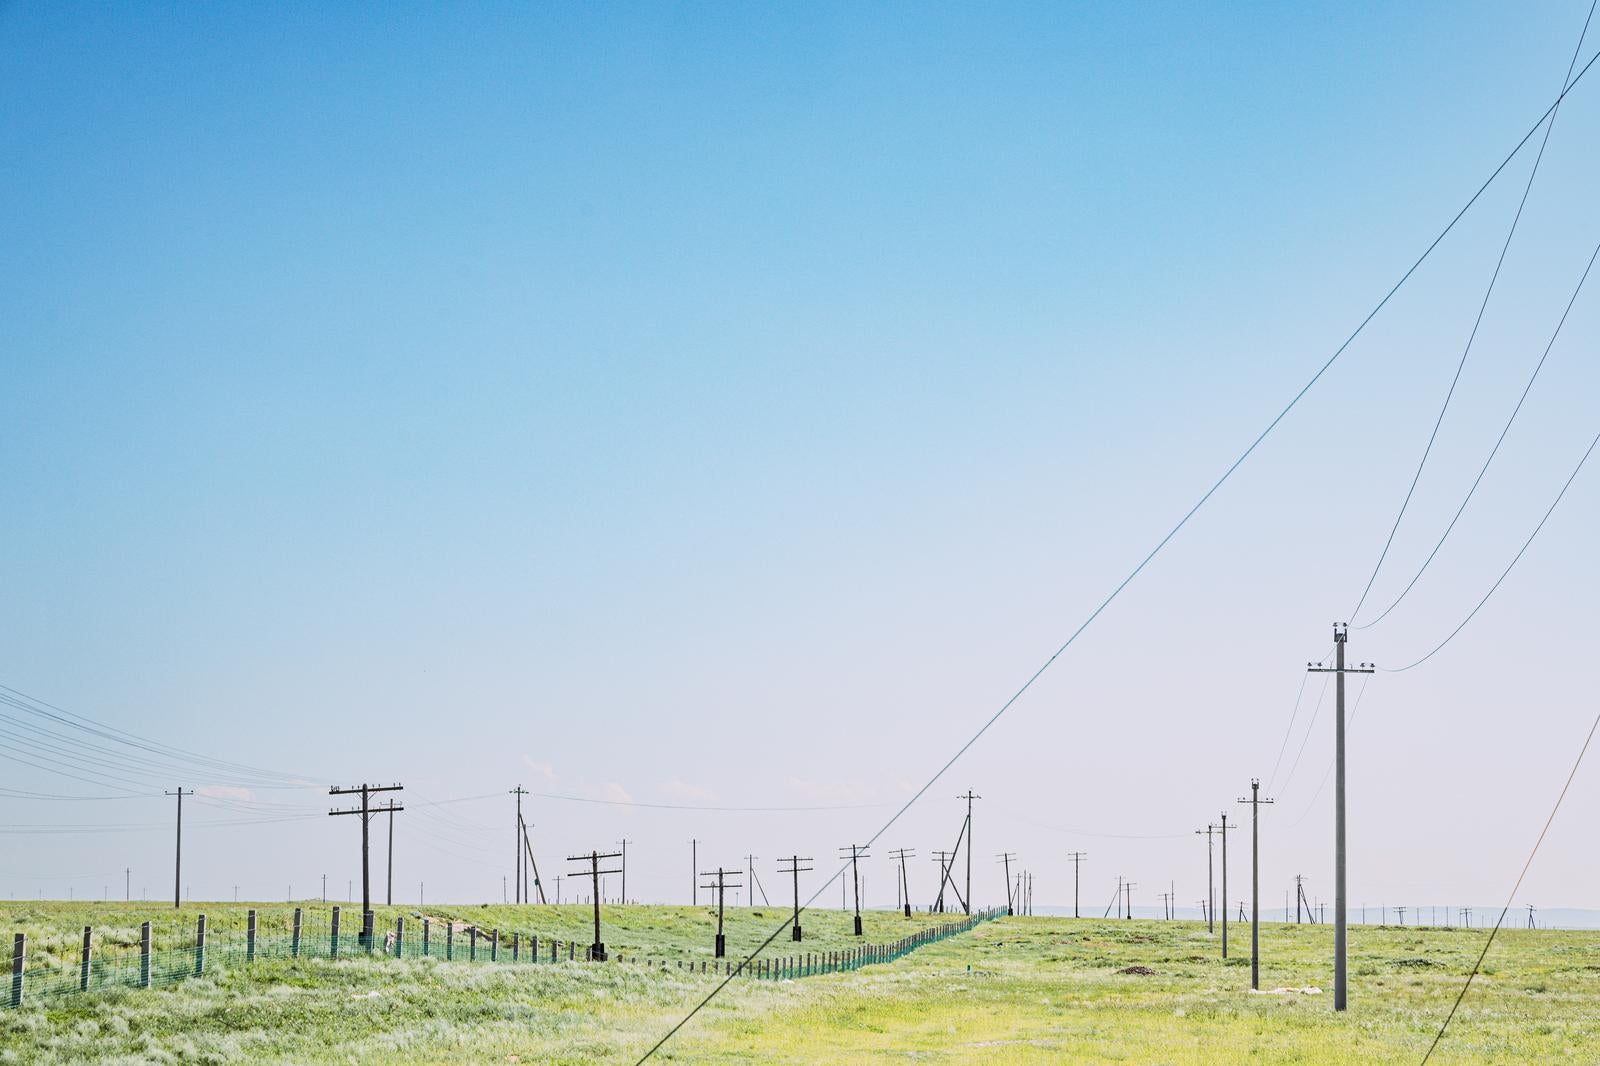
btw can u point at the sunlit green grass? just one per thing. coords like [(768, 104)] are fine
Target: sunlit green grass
[(1014, 991)]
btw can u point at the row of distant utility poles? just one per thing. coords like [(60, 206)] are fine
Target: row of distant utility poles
[(1256, 800)]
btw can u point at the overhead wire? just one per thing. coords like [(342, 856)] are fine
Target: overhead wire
[(1506, 572), (1492, 451), (41, 708), (1515, 888), (1533, 172)]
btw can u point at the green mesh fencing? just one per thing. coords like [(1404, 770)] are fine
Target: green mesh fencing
[(175, 955)]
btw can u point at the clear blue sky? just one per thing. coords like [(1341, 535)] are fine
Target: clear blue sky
[(734, 404)]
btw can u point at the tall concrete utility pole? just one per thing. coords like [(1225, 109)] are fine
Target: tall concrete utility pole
[(1211, 877), (1127, 887), (1255, 802), (177, 868), (1341, 636), (969, 797)]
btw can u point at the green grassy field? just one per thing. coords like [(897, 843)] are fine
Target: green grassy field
[(1031, 990)]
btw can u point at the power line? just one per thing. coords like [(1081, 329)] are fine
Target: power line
[(32, 705), (1533, 172), (1487, 944), (702, 807), (1492, 451), (1139, 568), (1514, 560)]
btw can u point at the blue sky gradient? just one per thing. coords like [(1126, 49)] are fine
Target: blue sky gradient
[(734, 404)]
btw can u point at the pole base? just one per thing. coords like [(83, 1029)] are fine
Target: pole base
[(858, 925), (597, 952), (722, 946), (908, 910), (795, 934)]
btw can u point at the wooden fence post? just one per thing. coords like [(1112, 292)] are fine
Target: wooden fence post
[(294, 936), (88, 948), (400, 937), (333, 935), (449, 941), (516, 946), (494, 946), (425, 932), (19, 952), (250, 936), (144, 955), (200, 946)]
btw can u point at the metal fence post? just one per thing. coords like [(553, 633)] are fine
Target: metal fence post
[(83, 971), (144, 955), (250, 936), (19, 952), (294, 937), (200, 946), (333, 935)]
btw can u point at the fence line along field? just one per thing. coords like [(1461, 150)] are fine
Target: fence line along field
[(1015, 989)]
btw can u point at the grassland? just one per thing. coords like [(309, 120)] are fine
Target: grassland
[(1014, 991)]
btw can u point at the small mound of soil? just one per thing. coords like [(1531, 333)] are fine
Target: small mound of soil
[(1138, 971)]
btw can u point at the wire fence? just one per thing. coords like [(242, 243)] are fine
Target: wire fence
[(332, 935)]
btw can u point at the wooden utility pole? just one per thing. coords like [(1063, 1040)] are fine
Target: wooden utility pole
[(855, 852), (517, 862), (177, 867), (902, 854), (755, 883), (388, 897), (1222, 831), (1127, 888), (1211, 877), (969, 796), (1077, 857), (538, 884), (796, 870), (597, 950), (366, 811), (1255, 802), (623, 844), (1341, 636), (720, 886), (1005, 858), (943, 859)]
